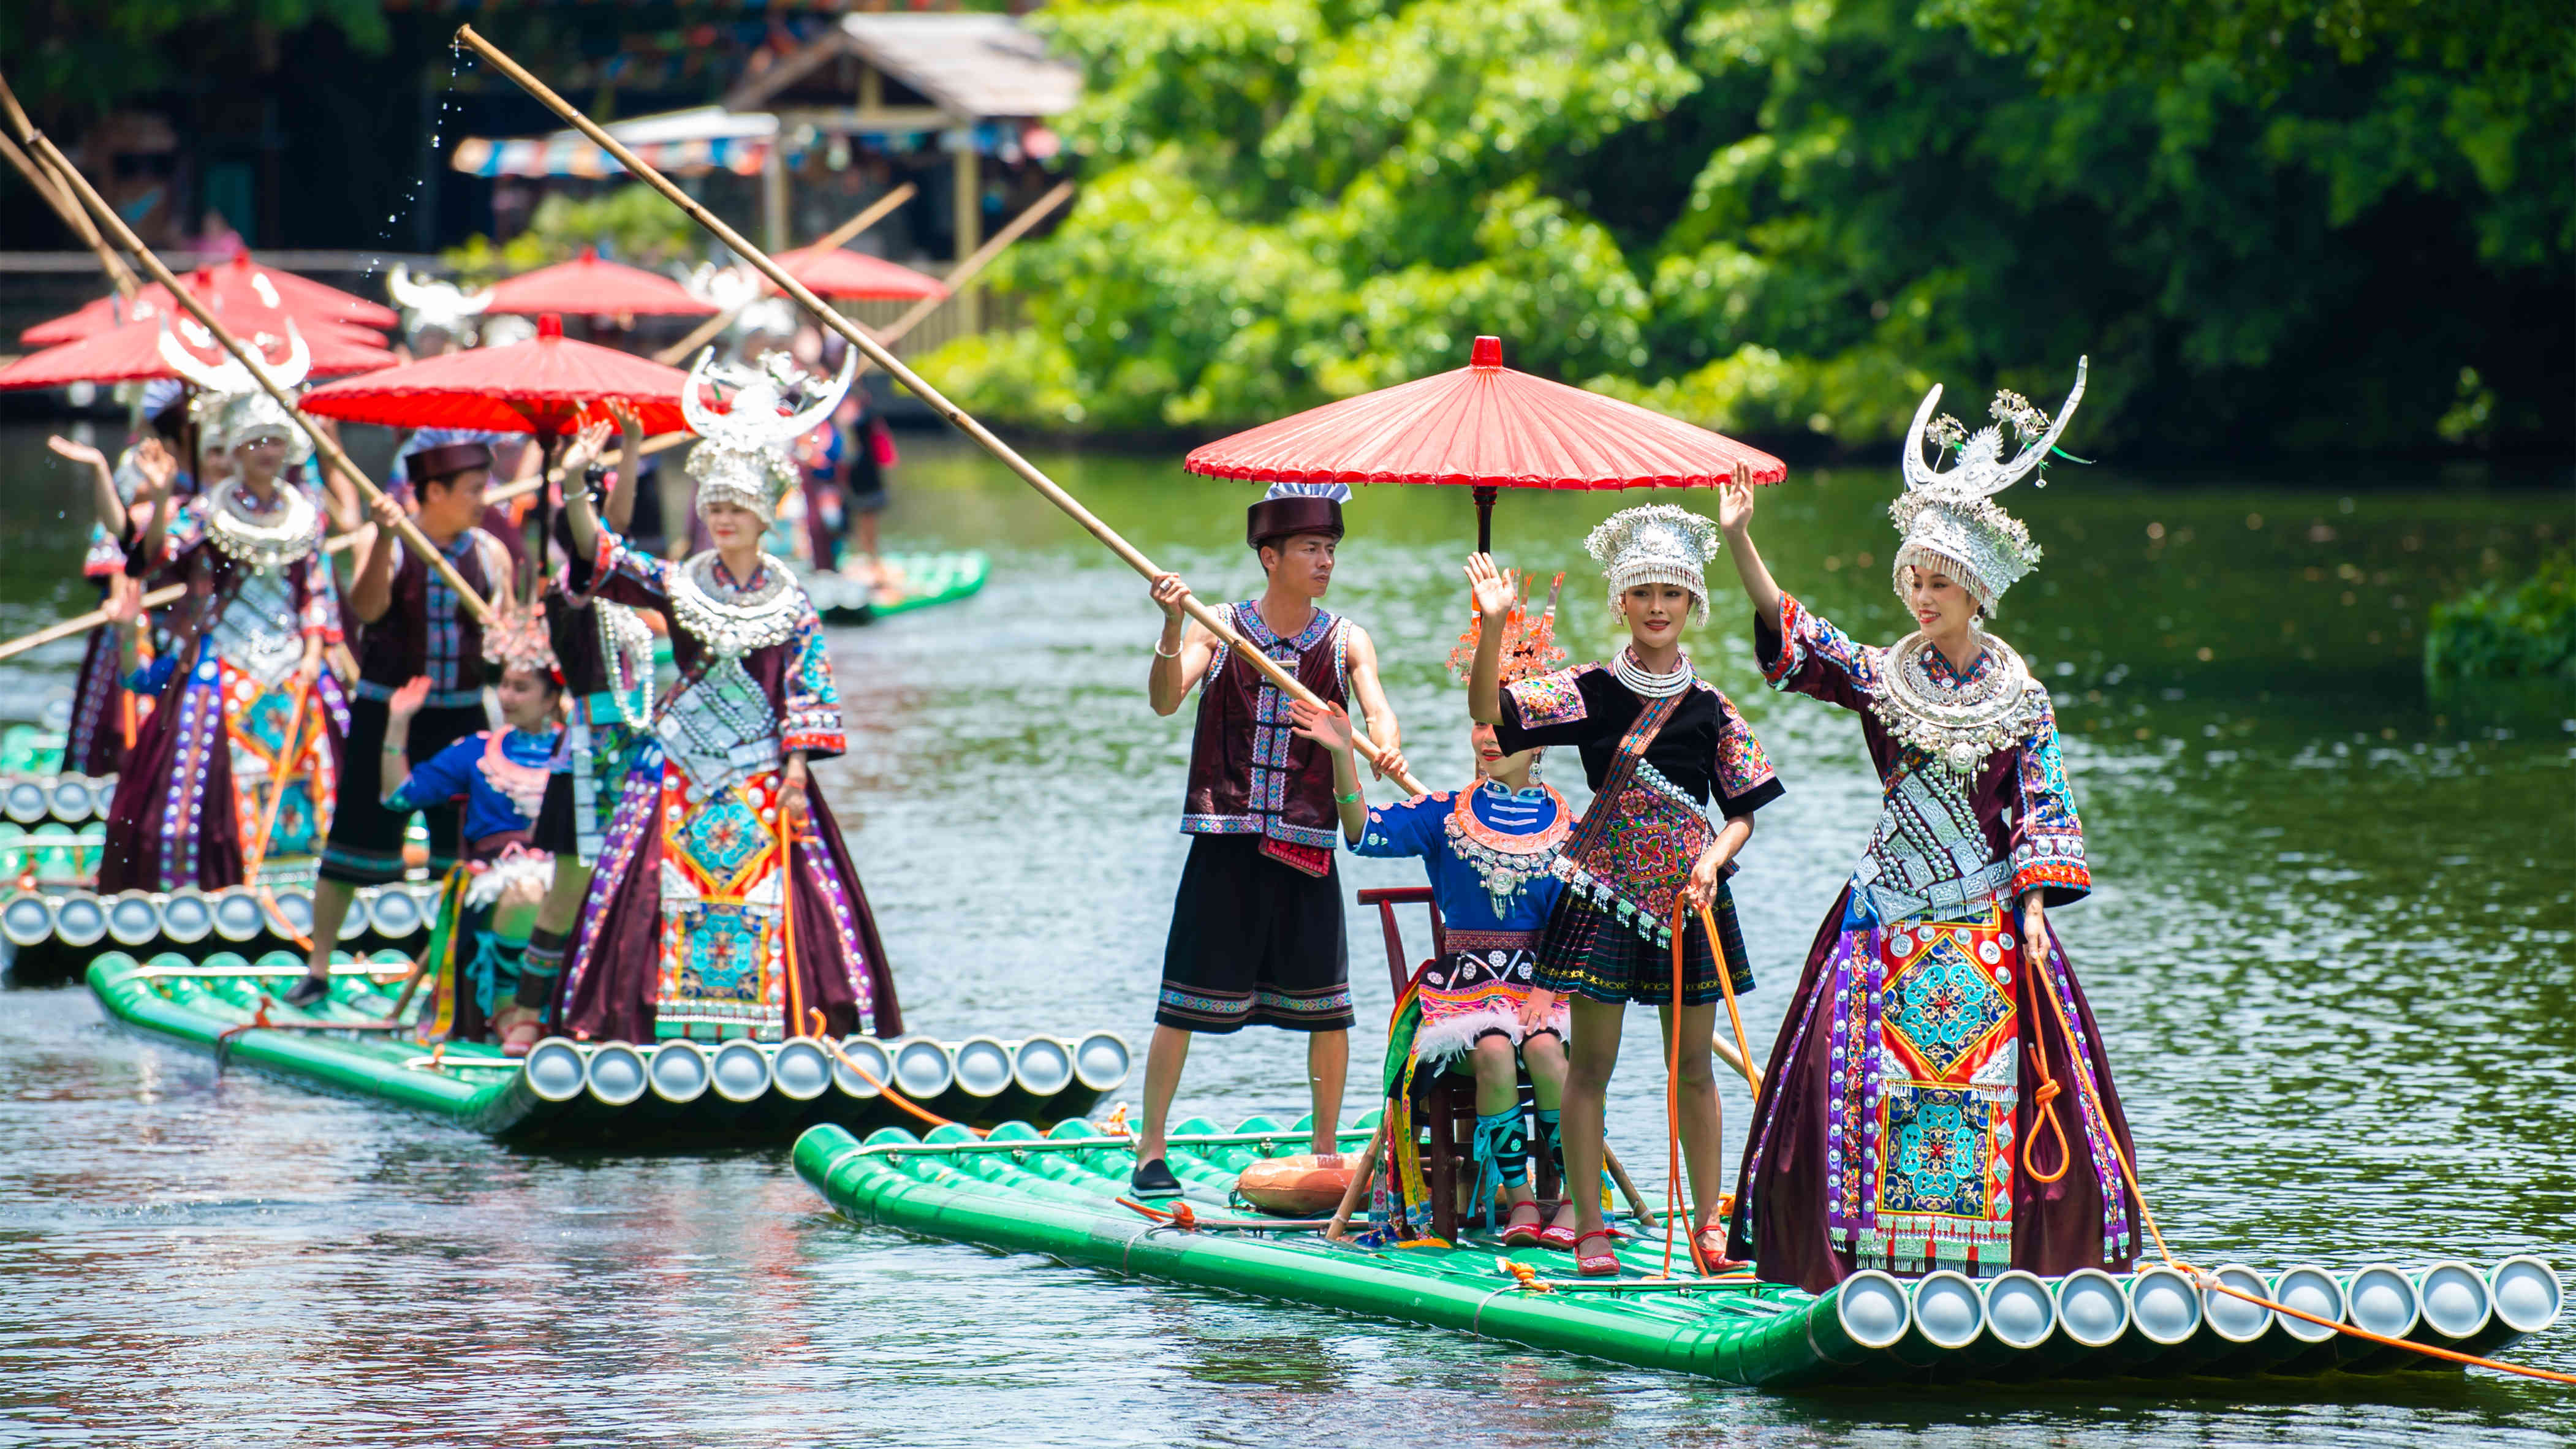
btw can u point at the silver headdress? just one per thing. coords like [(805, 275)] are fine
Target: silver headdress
[(1656, 544), (741, 457), (430, 304), (1949, 517), (236, 409)]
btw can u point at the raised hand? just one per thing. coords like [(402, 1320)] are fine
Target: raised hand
[(1329, 726), (1168, 591), (159, 465), (409, 700), (1494, 593), (77, 452), (586, 446), (1735, 500)]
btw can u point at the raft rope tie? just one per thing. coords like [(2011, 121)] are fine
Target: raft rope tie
[(2208, 1280), (814, 1018), (224, 1039)]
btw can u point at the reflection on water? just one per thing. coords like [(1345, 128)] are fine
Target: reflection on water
[(2330, 945)]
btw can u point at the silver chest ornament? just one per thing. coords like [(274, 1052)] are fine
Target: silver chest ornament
[(1956, 729)]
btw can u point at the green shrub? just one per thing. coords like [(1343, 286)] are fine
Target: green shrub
[(2508, 631)]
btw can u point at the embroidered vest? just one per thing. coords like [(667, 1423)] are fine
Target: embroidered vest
[(1249, 775), (395, 648)]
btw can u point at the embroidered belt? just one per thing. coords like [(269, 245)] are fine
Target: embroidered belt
[(1888, 904)]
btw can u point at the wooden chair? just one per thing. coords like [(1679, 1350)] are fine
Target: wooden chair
[(1449, 1120)]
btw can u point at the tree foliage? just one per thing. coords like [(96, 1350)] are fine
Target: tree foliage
[(88, 56), (627, 222), (1787, 219)]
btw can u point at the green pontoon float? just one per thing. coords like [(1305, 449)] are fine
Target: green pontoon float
[(925, 579), (1056, 1194), (735, 1092)]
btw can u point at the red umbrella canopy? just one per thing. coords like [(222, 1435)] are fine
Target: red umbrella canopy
[(856, 277), (588, 286), (238, 286), (1486, 426), (546, 385), (132, 353)]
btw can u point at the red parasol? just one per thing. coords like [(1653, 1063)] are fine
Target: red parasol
[(588, 286), (849, 276), (236, 286), (1489, 428), (546, 385), (132, 353)]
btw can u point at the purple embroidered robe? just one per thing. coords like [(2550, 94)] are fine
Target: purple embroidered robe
[(1902, 1091)]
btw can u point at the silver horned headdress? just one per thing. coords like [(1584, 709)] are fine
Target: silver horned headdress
[(1656, 544), (429, 304), (1948, 515), (742, 454), (235, 408)]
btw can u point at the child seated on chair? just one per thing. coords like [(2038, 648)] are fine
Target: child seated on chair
[(1487, 850)]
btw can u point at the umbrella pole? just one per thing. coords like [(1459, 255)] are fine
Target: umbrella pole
[(1485, 495), (875, 352), (41, 145)]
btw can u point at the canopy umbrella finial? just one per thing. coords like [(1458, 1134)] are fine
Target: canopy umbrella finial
[(1488, 356)]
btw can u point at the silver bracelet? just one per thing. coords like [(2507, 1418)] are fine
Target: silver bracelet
[(1159, 654)]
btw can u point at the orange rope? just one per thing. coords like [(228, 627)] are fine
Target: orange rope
[(2129, 1175), (888, 1092), (2045, 1098), (1675, 1208), (787, 915)]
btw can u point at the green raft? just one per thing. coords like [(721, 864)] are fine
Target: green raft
[(677, 1092), (927, 579), (1056, 1194)]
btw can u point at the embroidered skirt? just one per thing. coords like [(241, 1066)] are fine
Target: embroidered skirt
[(1587, 950), (1475, 992), (1254, 943)]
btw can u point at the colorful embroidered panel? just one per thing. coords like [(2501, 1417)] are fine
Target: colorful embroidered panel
[(1926, 1073), (1551, 699), (723, 952)]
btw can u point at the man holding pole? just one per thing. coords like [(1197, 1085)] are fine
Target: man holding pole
[(415, 625), (1256, 933)]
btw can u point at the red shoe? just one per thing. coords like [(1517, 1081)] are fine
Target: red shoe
[(1604, 1264), (1708, 1254), (1518, 1234), (1561, 1239)]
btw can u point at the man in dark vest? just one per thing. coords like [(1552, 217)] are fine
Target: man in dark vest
[(1257, 928), (414, 625)]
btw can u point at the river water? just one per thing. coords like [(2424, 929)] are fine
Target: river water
[(2329, 944)]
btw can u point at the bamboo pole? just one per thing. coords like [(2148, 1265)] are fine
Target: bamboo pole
[(875, 351), (119, 275), (82, 624), (705, 331), (42, 147)]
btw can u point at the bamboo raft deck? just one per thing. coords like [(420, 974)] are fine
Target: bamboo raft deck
[(602, 1094), (1055, 1194)]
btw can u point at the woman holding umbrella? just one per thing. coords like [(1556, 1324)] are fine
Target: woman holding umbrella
[(1659, 747), (1897, 1130), (724, 901)]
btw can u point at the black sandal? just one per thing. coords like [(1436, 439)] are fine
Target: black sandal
[(308, 991), (1154, 1179)]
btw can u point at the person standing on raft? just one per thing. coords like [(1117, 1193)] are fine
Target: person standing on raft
[(1489, 850), (232, 770), (1896, 1130), (414, 626), (724, 902), (1256, 935), (1659, 747)]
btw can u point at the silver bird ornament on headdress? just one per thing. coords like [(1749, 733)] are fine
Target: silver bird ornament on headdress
[(741, 457), (429, 304), (727, 289), (1948, 515), (238, 408), (1656, 544)]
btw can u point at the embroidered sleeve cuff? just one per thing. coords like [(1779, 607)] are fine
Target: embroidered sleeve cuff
[(1550, 699), (1781, 654), (2062, 875), (1733, 806), (816, 732)]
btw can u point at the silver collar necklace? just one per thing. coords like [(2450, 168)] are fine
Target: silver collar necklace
[(1652, 686)]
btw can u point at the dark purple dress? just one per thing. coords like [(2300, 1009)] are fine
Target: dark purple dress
[(1902, 1100), (681, 932)]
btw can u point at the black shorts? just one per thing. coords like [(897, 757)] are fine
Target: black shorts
[(1254, 943), (556, 833), (365, 847), (1588, 951)]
